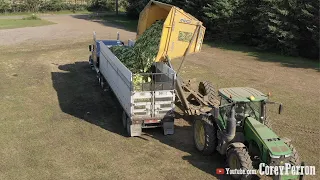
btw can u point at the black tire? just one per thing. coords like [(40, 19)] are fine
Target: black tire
[(102, 81), (206, 88), (91, 62), (208, 136), (90, 59), (244, 162), (294, 158)]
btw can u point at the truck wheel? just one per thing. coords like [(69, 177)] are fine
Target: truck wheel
[(294, 158), (204, 135), (238, 158), (91, 62), (101, 81), (206, 88)]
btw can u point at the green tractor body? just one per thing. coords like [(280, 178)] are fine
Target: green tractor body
[(238, 128)]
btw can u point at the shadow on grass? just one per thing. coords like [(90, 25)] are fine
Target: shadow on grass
[(120, 21), (287, 61), (80, 95), (182, 140)]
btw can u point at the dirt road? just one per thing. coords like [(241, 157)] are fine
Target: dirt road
[(56, 122), (75, 28)]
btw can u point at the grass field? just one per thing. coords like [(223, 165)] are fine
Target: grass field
[(44, 13), (57, 123), (19, 23), (121, 20)]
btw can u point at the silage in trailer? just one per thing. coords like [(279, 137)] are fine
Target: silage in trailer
[(139, 59)]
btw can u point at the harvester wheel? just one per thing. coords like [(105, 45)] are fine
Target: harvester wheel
[(294, 158), (204, 134), (239, 158), (206, 88)]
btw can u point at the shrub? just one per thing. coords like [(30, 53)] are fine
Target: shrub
[(32, 17)]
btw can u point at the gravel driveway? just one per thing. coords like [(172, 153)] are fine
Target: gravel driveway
[(69, 28)]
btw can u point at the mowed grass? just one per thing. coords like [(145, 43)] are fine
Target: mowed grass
[(121, 20), (44, 13), (288, 61), (295, 84), (56, 122), (19, 23)]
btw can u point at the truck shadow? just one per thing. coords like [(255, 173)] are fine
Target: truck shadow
[(80, 97), (182, 140)]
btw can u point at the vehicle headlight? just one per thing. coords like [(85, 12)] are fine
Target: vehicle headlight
[(287, 155), (274, 156)]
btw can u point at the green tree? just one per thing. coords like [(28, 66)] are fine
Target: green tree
[(278, 29), (308, 23), (218, 16)]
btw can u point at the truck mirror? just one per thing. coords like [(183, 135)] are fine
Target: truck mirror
[(90, 47), (280, 108), (216, 112)]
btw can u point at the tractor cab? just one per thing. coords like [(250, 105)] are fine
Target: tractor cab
[(247, 102)]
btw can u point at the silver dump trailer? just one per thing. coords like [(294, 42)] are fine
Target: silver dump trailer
[(148, 103)]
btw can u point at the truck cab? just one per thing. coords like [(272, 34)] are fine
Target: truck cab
[(94, 48)]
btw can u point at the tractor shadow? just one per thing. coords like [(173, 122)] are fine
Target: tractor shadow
[(80, 95), (183, 141)]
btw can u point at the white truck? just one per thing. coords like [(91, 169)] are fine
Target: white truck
[(145, 104)]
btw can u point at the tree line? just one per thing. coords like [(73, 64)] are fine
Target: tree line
[(289, 27), (13, 6)]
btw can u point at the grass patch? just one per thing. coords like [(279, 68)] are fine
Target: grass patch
[(122, 20), (289, 61), (19, 23), (32, 17)]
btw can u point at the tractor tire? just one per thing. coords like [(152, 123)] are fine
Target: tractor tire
[(239, 158), (204, 135), (206, 88), (294, 158)]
